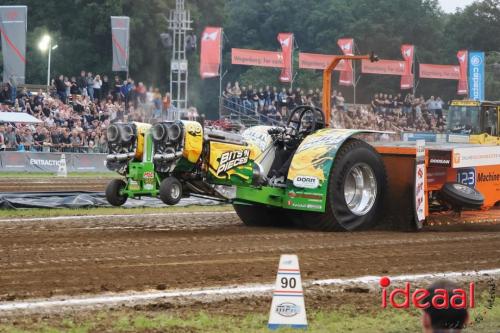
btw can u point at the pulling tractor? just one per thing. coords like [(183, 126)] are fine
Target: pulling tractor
[(304, 173)]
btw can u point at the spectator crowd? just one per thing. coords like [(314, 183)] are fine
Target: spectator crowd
[(385, 112), (75, 114)]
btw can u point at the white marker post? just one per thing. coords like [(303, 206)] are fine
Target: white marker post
[(62, 171), (288, 308)]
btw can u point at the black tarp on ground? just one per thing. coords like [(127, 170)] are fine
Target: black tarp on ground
[(15, 200)]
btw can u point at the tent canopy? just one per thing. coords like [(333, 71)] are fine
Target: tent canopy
[(17, 117)]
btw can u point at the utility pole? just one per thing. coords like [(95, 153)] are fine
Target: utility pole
[(179, 23)]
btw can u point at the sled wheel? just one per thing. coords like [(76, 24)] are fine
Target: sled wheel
[(355, 190), (170, 191), (461, 196), (113, 194), (262, 216)]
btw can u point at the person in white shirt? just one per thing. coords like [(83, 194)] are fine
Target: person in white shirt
[(97, 87)]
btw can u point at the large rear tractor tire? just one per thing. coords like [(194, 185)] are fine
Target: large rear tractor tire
[(355, 190), (170, 191), (113, 194), (262, 216)]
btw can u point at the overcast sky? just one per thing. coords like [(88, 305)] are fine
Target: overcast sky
[(449, 6)]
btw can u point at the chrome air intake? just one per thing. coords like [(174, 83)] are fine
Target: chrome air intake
[(122, 145), (168, 142)]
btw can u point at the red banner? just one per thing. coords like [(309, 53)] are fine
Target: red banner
[(346, 75), (463, 88), (318, 61), (286, 42), (446, 72), (384, 67), (407, 79), (210, 52), (257, 58)]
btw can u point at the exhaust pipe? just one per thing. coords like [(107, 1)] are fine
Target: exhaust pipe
[(120, 157)]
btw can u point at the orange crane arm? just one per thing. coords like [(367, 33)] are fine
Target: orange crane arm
[(327, 80)]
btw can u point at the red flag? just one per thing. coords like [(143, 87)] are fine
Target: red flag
[(346, 75), (210, 52), (447, 72), (286, 41), (463, 88), (407, 79)]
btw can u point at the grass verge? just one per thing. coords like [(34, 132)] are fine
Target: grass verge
[(344, 319)]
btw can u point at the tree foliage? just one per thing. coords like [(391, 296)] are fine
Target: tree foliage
[(81, 28)]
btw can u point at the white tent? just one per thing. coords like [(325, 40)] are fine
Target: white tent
[(17, 117)]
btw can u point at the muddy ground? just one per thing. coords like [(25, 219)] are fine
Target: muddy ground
[(88, 256)]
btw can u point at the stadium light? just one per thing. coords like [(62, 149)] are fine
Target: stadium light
[(44, 45)]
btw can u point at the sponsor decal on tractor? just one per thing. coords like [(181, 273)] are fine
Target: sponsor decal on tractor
[(232, 159), (306, 182)]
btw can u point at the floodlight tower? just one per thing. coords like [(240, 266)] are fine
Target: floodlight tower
[(179, 23)]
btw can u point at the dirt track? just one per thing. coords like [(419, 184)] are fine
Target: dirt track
[(45, 258), (51, 184)]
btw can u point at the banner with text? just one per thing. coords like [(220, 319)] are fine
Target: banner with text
[(476, 75), (120, 34), (210, 56), (445, 72), (13, 27), (318, 61), (13, 161), (384, 67), (257, 58)]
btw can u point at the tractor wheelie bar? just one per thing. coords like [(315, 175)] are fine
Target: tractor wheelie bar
[(303, 173)]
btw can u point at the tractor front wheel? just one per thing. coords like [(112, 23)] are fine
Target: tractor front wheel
[(113, 192), (170, 191)]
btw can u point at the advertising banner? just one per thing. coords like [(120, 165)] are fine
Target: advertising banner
[(346, 75), (463, 59), (318, 61), (407, 79), (286, 42), (210, 56), (120, 34), (476, 75), (384, 67), (13, 27), (257, 58), (445, 72), (13, 161)]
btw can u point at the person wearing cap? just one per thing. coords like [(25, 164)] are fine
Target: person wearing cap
[(449, 320)]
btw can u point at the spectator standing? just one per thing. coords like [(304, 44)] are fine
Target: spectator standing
[(82, 83), (90, 86), (117, 87), (167, 103), (340, 101), (13, 87), (105, 87), (60, 88), (97, 87), (157, 103), (10, 138)]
